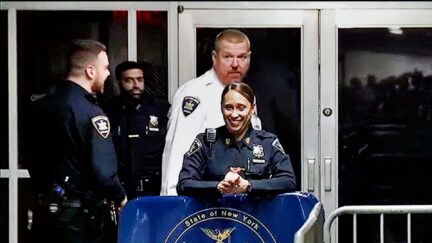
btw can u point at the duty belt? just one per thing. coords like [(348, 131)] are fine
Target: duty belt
[(67, 203)]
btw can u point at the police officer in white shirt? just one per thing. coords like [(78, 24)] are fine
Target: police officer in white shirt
[(196, 104)]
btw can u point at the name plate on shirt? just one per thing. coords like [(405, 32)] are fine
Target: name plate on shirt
[(259, 161)]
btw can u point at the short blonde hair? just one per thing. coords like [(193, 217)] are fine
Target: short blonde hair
[(230, 35)]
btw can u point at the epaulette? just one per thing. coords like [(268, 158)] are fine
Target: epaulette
[(264, 134)]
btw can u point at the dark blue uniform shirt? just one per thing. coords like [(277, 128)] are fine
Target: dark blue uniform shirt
[(73, 145), (266, 166), (139, 136)]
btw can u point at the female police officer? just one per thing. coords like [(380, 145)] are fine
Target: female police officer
[(235, 158)]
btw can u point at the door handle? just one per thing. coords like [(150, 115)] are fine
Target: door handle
[(311, 174), (327, 173)]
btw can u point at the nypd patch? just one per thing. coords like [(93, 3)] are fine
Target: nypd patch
[(102, 125), (189, 105), (194, 147), (258, 153), (278, 145), (154, 124)]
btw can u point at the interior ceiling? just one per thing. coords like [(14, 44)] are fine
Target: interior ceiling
[(413, 41)]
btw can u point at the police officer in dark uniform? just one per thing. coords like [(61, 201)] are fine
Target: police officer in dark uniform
[(139, 125), (235, 158), (74, 165)]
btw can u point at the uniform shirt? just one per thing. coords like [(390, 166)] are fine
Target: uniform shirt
[(196, 106), (73, 145), (259, 153), (139, 137)]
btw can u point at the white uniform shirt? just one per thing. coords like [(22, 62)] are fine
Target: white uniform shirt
[(195, 107), (182, 129)]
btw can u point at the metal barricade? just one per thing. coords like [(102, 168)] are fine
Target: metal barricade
[(312, 229), (375, 209)]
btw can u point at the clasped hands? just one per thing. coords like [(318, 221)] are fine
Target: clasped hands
[(122, 204), (233, 183)]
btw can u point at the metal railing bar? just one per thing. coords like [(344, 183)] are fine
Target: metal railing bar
[(409, 228), (382, 228), (310, 222), (355, 228), (373, 209)]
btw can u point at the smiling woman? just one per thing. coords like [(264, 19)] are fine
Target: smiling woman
[(237, 108), (235, 158)]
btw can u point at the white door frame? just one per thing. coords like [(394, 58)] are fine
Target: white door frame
[(307, 20)]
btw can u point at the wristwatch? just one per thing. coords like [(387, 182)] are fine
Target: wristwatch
[(249, 187)]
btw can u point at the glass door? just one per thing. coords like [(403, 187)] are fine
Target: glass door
[(34, 37), (376, 75), (283, 73)]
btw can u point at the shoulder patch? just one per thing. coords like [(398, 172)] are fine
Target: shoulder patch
[(194, 147), (102, 125), (278, 145), (189, 105)]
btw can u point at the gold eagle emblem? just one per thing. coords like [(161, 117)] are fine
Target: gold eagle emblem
[(217, 235), (189, 106)]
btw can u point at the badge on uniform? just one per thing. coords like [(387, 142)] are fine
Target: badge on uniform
[(258, 154), (189, 105), (278, 145), (102, 125), (194, 147), (154, 124)]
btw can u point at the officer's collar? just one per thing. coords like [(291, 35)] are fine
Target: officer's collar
[(131, 108), (92, 98), (246, 141), (131, 104), (78, 88), (215, 80)]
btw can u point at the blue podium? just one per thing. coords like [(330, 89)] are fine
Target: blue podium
[(233, 218)]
